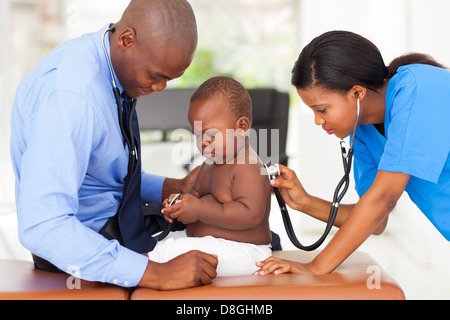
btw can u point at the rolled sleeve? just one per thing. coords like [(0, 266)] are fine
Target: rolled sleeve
[(151, 188)]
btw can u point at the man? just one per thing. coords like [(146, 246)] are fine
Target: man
[(70, 157)]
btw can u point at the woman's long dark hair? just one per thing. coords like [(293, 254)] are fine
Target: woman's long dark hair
[(339, 60)]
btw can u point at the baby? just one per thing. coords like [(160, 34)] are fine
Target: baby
[(227, 209)]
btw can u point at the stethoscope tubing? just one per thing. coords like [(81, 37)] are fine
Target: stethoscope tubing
[(339, 193), (128, 136)]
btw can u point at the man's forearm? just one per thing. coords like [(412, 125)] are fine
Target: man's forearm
[(172, 186)]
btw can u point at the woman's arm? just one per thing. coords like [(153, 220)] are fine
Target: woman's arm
[(297, 198), (371, 210), (366, 216)]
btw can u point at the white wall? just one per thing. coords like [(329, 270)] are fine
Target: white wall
[(6, 177)]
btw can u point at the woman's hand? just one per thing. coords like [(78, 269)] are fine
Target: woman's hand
[(279, 266), (290, 188)]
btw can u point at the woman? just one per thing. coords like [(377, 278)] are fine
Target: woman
[(401, 143)]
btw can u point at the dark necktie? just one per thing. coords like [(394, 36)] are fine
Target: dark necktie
[(131, 220), (134, 223)]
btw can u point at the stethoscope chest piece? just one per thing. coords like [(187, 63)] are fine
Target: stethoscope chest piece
[(273, 171)]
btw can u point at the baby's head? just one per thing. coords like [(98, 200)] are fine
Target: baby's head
[(231, 91), (220, 112)]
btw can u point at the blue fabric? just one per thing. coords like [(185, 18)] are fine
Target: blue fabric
[(417, 141), (70, 161)]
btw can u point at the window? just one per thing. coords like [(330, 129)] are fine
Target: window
[(253, 41)]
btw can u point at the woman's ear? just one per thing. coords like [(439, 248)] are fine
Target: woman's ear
[(243, 125), (358, 92)]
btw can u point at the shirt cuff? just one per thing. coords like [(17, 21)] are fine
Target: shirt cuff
[(151, 187), (129, 268)]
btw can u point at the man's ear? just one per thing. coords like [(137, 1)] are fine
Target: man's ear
[(243, 125), (127, 38)]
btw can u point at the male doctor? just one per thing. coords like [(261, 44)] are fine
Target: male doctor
[(70, 157)]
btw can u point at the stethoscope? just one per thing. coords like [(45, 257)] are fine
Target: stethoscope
[(128, 136), (341, 190)]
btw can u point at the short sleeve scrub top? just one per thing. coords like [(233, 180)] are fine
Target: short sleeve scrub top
[(416, 141)]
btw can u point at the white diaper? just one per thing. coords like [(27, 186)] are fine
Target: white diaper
[(235, 258)]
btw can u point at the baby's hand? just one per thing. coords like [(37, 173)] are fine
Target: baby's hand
[(173, 198), (185, 211)]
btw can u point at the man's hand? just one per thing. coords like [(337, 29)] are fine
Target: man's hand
[(191, 269)]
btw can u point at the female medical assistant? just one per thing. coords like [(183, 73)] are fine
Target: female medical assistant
[(401, 143)]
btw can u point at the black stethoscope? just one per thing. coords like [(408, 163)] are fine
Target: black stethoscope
[(341, 189)]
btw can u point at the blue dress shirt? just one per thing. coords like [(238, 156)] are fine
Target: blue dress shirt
[(416, 141), (70, 161)]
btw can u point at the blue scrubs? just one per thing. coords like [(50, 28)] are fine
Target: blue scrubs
[(416, 141)]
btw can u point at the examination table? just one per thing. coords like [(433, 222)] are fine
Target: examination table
[(359, 277)]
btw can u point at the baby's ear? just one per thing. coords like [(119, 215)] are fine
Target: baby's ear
[(243, 123)]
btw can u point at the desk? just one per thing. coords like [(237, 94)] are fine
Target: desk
[(359, 277), (19, 280)]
